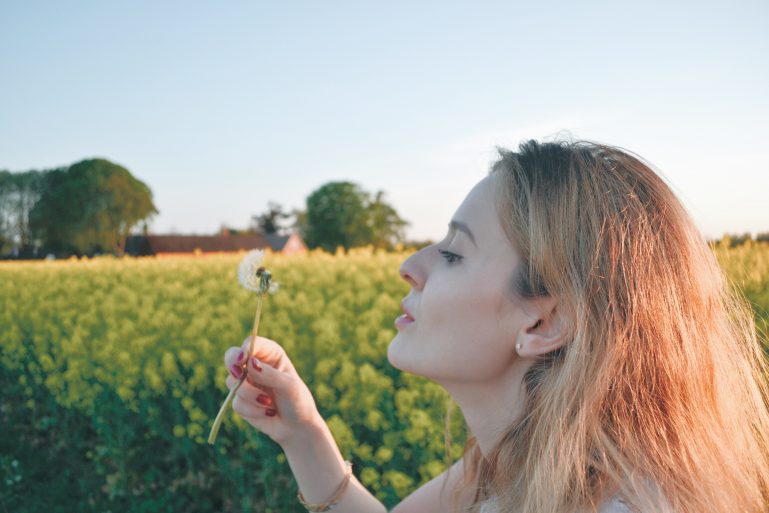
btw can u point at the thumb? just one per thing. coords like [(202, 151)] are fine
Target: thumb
[(261, 373)]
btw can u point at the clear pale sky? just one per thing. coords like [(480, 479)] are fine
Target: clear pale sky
[(222, 106)]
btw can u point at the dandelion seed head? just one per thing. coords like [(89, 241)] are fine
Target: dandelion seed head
[(252, 276), (247, 270)]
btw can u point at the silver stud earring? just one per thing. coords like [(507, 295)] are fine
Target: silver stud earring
[(518, 346)]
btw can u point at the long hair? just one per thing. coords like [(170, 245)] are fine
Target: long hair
[(659, 395)]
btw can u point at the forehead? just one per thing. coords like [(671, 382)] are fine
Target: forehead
[(495, 253), (479, 212), (478, 207)]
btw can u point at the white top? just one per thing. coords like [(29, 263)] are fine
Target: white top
[(615, 505)]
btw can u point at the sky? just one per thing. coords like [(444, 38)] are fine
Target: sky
[(221, 107)]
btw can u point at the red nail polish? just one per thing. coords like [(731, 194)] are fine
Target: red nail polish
[(255, 363), (240, 357), (270, 413), (263, 399), (236, 371)]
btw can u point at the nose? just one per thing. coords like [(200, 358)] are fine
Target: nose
[(412, 272)]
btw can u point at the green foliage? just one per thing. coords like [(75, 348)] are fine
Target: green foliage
[(19, 192), (112, 368), (90, 206), (342, 214), (271, 221), (385, 224), (336, 216)]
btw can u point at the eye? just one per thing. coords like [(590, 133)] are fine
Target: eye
[(449, 256)]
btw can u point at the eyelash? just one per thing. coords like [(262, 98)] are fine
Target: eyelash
[(449, 256)]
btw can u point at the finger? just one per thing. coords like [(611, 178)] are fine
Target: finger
[(231, 381), (261, 345), (249, 392), (256, 398), (263, 374), (252, 409), (246, 345), (232, 355)]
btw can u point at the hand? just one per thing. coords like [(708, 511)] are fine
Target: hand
[(286, 409)]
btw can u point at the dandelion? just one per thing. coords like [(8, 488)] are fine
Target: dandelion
[(251, 272), (254, 277)]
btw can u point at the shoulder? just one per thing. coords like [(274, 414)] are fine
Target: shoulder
[(614, 505)]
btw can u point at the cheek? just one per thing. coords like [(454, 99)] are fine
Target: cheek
[(466, 313)]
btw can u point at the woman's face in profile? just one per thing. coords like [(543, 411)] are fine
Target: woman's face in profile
[(465, 321)]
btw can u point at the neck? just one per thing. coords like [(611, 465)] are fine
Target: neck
[(491, 405)]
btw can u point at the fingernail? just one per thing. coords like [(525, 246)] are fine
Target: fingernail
[(263, 399), (256, 363), (240, 356), (236, 371), (270, 413)]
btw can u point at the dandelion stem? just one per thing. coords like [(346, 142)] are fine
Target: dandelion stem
[(231, 395), (222, 410), (255, 329)]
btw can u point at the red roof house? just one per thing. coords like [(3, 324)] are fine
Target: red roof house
[(167, 245)]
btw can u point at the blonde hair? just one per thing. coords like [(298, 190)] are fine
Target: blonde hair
[(659, 395)]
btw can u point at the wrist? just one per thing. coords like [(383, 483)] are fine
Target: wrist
[(317, 465), (304, 436), (338, 494)]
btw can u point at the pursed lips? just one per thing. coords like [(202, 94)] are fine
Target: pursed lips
[(406, 311)]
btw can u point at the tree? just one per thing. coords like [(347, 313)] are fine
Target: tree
[(386, 226), (270, 221), (91, 206), (19, 192), (6, 212), (342, 214)]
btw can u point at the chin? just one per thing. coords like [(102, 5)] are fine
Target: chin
[(390, 356), (396, 353), (401, 358)]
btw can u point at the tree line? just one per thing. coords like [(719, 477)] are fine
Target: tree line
[(735, 240), (337, 214), (86, 208), (92, 206)]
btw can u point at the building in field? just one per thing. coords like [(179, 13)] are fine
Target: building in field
[(225, 242)]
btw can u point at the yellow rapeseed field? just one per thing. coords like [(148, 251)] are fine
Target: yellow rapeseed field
[(121, 362), (140, 342)]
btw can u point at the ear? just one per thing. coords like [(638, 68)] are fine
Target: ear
[(544, 329)]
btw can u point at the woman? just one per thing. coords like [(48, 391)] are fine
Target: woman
[(581, 323)]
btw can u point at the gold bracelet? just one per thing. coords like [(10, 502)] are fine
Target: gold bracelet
[(335, 498)]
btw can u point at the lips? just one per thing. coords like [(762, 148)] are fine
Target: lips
[(404, 320), (407, 312)]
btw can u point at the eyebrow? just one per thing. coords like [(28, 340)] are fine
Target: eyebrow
[(462, 227)]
